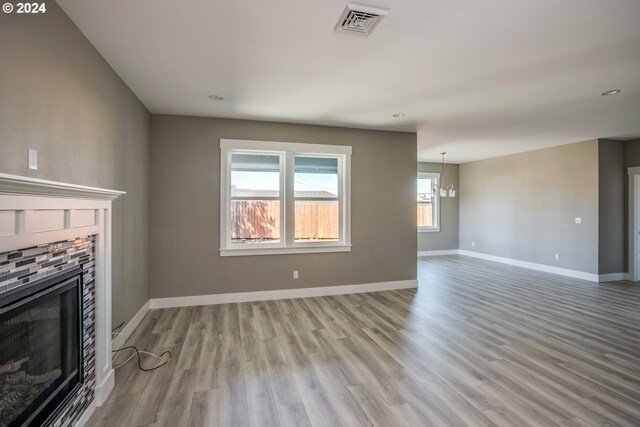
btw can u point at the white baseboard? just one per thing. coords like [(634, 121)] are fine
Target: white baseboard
[(438, 253), (103, 389), (612, 277), (534, 266), (119, 340), (279, 294), (82, 421)]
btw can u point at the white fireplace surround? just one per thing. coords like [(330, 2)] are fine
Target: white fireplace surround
[(35, 212)]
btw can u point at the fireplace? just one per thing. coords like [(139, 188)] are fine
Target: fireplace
[(55, 301), (40, 348)]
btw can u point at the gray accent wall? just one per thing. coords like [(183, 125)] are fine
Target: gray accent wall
[(447, 237), (185, 213), (611, 202), (59, 96), (523, 206)]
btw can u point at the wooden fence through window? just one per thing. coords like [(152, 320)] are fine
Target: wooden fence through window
[(260, 220), (425, 214)]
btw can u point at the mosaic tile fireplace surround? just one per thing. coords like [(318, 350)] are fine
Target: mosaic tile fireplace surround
[(20, 268)]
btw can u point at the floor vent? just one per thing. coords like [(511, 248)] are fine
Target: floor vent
[(360, 19)]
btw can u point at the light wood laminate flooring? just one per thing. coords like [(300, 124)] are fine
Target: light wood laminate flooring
[(478, 344)]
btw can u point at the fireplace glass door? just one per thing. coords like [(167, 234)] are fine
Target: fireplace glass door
[(40, 349)]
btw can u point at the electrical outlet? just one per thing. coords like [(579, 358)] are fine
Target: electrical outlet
[(295, 274), (557, 256), (578, 220), (473, 243), (33, 159)]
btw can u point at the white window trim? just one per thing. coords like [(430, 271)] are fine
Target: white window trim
[(287, 152), (436, 204)]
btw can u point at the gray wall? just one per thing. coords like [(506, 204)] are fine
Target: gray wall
[(631, 154), (59, 96), (185, 197), (611, 185), (523, 206), (447, 237)]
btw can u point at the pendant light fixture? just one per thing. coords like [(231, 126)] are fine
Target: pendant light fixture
[(445, 190)]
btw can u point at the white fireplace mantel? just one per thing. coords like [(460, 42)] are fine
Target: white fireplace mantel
[(23, 185), (36, 211)]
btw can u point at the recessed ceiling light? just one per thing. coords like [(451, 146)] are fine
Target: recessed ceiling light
[(398, 115), (611, 92), (216, 97)]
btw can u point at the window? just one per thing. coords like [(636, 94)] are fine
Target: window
[(428, 212), (317, 200), (281, 197), (255, 198)]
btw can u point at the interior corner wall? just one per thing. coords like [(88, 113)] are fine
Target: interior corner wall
[(611, 203), (185, 212), (60, 97), (447, 237), (523, 206), (631, 159)]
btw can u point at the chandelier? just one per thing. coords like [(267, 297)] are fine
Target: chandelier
[(445, 190)]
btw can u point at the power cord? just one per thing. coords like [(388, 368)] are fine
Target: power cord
[(137, 353), (118, 327)]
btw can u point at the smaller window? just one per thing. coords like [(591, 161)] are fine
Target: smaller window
[(428, 202)]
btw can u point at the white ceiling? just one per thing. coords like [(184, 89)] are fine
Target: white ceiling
[(477, 79)]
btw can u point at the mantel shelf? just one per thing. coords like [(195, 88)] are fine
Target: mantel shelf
[(16, 185)]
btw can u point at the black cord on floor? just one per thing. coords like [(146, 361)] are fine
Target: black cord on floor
[(118, 327), (140, 361)]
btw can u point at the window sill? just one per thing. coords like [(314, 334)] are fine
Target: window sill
[(284, 251), (429, 230)]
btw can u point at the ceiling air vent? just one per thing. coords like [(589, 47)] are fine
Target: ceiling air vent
[(360, 19)]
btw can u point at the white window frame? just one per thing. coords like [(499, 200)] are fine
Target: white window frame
[(287, 152), (435, 177)]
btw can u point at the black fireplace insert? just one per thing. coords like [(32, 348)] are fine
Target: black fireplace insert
[(40, 348)]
